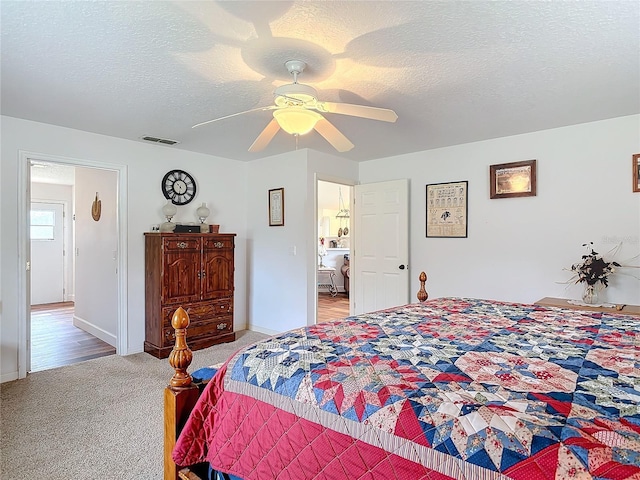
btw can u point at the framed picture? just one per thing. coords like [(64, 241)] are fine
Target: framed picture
[(516, 179), (447, 209), (276, 207), (636, 172)]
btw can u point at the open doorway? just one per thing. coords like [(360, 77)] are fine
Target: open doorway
[(91, 253), (60, 333), (55, 340), (334, 250)]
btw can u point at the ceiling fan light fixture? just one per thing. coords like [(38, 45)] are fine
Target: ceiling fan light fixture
[(296, 120), (295, 94), (296, 111)]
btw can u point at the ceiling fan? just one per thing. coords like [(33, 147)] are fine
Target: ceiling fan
[(297, 111)]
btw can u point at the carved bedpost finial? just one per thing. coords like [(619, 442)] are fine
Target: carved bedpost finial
[(422, 293), (181, 356)]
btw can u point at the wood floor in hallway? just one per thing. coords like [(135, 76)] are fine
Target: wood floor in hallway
[(56, 342), (332, 308)]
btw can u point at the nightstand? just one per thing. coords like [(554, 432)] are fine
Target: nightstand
[(563, 303)]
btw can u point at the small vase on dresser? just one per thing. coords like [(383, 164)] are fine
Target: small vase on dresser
[(590, 295)]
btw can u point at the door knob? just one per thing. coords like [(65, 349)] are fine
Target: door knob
[(401, 267)]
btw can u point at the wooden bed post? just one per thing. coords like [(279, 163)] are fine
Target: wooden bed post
[(180, 395), (422, 293)]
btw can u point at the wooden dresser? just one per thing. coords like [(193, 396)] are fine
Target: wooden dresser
[(193, 271)]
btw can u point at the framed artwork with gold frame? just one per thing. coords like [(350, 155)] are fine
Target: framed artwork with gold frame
[(515, 179)]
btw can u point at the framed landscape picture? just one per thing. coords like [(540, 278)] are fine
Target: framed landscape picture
[(636, 172), (447, 209), (516, 179)]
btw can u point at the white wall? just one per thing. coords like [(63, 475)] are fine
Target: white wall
[(282, 285), (517, 248), (276, 256), (96, 254), (221, 183)]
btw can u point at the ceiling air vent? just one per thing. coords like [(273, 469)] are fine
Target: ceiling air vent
[(159, 140)]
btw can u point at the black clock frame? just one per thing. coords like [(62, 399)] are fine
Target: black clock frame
[(168, 187)]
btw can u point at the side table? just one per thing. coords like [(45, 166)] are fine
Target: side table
[(563, 303), (331, 285)]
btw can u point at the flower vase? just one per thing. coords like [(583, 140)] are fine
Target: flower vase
[(590, 295)]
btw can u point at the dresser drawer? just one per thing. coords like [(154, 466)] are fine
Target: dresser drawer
[(181, 244), (204, 311), (200, 329), (215, 243)]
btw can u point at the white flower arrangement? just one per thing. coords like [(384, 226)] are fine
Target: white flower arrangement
[(594, 270)]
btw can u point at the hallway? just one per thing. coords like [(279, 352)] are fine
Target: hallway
[(332, 308), (55, 342)]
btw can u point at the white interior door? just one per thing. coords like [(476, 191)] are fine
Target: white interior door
[(381, 248), (47, 253)]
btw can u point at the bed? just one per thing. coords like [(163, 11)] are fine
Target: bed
[(450, 388)]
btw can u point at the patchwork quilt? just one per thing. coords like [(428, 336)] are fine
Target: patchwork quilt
[(453, 388)]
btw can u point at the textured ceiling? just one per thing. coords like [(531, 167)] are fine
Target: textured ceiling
[(44, 172), (453, 71)]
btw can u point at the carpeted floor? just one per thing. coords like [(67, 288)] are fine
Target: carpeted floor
[(99, 419)]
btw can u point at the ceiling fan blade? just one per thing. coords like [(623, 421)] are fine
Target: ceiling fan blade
[(270, 107), (333, 135), (374, 113), (265, 136)]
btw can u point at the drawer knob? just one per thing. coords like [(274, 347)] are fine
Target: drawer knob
[(218, 244), (182, 244), (222, 326)]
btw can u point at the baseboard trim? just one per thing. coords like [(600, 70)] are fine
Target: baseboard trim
[(266, 331), (8, 377), (98, 332)]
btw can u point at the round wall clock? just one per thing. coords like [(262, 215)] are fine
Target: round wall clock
[(179, 187)]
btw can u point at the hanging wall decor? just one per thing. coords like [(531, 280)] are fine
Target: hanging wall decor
[(636, 172), (276, 207), (516, 179), (447, 210), (343, 215), (179, 187), (96, 208)]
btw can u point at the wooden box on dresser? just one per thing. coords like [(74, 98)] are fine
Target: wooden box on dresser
[(193, 271)]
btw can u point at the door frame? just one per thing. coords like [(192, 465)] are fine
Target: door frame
[(24, 255), (320, 177)]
